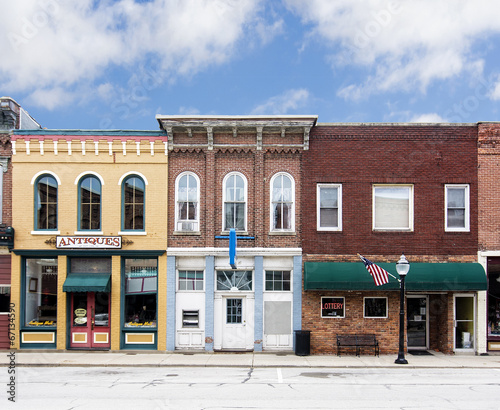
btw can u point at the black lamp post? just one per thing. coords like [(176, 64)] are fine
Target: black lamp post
[(402, 267)]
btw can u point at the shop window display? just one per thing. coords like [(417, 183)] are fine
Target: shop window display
[(141, 280), (40, 292)]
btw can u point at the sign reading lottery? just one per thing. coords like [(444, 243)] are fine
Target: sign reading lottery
[(88, 242)]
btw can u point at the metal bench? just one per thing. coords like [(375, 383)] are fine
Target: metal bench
[(358, 341)]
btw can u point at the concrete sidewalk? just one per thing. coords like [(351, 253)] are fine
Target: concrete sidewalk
[(247, 359)]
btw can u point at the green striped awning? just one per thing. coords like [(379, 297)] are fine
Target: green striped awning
[(87, 282), (421, 277)]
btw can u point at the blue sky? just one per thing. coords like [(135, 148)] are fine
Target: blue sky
[(115, 64)]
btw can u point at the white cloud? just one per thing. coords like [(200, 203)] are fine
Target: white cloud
[(406, 44), (51, 98), (289, 101), (54, 43), (495, 92), (428, 118)]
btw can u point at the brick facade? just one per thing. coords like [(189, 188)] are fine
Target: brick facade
[(358, 156)]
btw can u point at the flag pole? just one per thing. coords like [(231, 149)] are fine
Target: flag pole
[(389, 273)]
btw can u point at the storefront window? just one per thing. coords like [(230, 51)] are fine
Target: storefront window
[(4, 299), (375, 307), (494, 304), (141, 283), (41, 292)]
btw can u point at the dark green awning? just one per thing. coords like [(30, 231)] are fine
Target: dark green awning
[(421, 277), (87, 282)]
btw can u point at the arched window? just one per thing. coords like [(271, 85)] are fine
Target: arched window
[(235, 202), (282, 202), (46, 203), (187, 202), (133, 194), (89, 203)]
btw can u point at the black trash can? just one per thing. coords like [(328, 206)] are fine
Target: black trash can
[(302, 342)]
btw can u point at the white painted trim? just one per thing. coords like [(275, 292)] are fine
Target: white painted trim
[(339, 207), (52, 174), (77, 180), (139, 174), (49, 233), (241, 252), (39, 333)]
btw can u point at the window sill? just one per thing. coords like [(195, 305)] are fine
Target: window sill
[(187, 233), (142, 233), (283, 233), (45, 232), (90, 233)]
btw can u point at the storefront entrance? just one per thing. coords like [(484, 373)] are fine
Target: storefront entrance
[(464, 322), (90, 327), (234, 323), (417, 323)]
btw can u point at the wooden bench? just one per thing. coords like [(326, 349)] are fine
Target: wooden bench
[(357, 341)]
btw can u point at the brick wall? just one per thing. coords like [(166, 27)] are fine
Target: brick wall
[(258, 167), (489, 188), (359, 156)]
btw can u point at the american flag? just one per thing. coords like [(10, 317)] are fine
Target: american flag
[(379, 275)]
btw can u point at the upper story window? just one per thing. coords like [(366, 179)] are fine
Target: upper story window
[(46, 203), (89, 203), (282, 202), (187, 202), (133, 191), (457, 208), (235, 202), (329, 207), (393, 207)]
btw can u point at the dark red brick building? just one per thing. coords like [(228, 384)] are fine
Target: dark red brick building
[(381, 190)]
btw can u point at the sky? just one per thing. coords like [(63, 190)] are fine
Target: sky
[(116, 64)]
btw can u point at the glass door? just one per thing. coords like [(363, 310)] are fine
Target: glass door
[(464, 322), (417, 324)]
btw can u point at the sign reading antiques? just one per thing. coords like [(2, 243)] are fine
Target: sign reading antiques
[(332, 307), (88, 242)]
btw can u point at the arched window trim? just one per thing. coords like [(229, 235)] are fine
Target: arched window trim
[(271, 206), (245, 185), (123, 180), (36, 202), (187, 225)]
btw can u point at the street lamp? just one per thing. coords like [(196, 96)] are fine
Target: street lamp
[(402, 267)]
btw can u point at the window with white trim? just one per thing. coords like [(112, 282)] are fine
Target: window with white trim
[(46, 203), (282, 202), (235, 202), (375, 307), (187, 202), (190, 280), (278, 280), (457, 208), (393, 207), (329, 207)]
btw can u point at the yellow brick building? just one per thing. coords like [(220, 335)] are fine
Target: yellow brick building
[(91, 226)]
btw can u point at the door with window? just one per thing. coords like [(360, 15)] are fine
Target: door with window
[(417, 323), (90, 326), (464, 322), (234, 323)]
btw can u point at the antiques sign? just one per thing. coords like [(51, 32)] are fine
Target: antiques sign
[(332, 307), (88, 242)]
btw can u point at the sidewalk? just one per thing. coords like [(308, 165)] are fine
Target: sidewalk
[(250, 359)]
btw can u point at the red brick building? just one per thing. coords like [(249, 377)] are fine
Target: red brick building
[(380, 190), (489, 223), (242, 173)]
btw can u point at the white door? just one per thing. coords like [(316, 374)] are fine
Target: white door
[(234, 330), (464, 322)]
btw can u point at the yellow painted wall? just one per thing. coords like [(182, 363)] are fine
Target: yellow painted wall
[(111, 168)]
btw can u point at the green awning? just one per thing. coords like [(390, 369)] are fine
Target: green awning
[(421, 277), (87, 282)]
